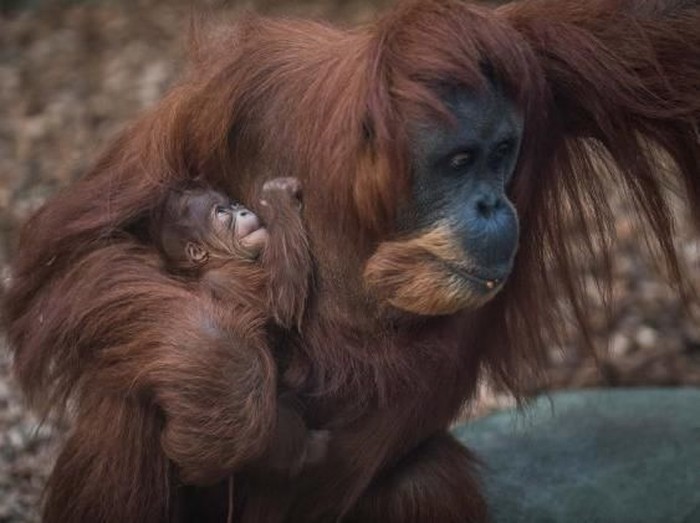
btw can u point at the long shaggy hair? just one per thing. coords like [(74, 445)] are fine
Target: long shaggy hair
[(609, 91)]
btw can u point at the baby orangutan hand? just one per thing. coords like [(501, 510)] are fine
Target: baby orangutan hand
[(281, 191)]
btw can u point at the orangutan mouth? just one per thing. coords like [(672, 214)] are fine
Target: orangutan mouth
[(490, 282)]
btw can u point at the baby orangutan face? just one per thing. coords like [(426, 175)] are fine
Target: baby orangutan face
[(199, 226), (235, 225)]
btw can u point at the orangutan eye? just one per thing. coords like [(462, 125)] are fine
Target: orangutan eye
[(503, 149), (462, 160), (223, 214)]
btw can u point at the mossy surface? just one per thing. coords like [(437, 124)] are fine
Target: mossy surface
[(604, 456)]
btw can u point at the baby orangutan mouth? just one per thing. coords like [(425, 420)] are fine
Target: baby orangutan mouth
[(249, 229)]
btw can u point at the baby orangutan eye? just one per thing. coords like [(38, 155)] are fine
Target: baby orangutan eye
[(223, 214)]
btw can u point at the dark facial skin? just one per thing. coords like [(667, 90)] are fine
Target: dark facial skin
[(461, 175)]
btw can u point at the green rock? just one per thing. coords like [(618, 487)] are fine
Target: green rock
[(608, 456)]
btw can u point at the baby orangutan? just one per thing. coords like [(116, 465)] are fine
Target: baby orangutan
[(249, 277)]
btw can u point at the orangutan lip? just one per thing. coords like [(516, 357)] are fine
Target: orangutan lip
[(252, 235), (490, 281), (251, 225)]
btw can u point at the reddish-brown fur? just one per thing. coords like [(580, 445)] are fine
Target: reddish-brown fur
[(192, 397), (232, 299), (608, 90)]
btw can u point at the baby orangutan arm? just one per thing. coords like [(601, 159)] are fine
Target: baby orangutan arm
[(287, 256)]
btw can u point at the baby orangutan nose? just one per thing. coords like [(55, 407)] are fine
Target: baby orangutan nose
[(246, 221)]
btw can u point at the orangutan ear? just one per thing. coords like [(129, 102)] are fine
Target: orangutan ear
[(196, 253)]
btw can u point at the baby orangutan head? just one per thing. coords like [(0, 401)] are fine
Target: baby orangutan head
[(200, 228)]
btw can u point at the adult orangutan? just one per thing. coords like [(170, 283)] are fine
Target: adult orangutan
[(432, 146)]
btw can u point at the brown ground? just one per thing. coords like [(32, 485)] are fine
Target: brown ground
[(70, 77)]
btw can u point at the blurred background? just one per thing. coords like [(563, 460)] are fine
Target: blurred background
[(74, 72)]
